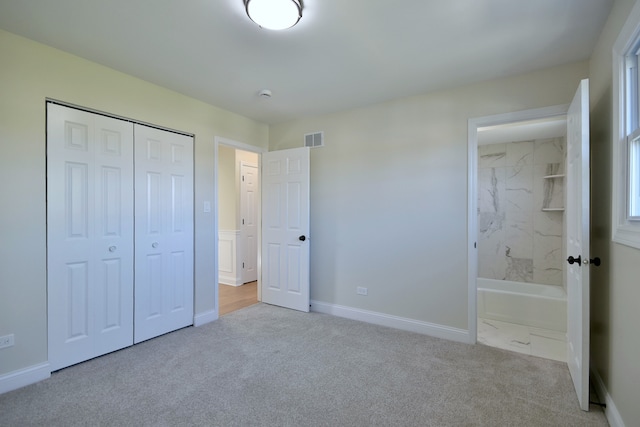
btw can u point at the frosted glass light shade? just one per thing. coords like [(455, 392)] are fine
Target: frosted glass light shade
[(274, 14)]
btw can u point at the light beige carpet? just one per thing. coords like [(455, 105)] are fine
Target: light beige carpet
[(268, 366)]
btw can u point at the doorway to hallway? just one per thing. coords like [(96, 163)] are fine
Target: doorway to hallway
[(232, 298), (238, 226)]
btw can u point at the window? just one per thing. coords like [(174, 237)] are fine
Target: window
[(634, 179), (626, 138), (632, 132)]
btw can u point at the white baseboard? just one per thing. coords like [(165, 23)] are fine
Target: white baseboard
[(611, 412), (229, 280), (431, 329), (23, 377), (204, 318)]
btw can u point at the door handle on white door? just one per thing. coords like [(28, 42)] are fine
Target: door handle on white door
[(154, 245), (571, 260), (112, 248), (594, 261)]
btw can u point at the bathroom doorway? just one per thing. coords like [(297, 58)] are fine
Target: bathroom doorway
[(518, 197)]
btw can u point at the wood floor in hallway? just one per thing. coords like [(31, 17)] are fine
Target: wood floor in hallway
[(233, 298)]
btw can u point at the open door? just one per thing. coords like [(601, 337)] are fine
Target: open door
[(577, 242), (285, 228)]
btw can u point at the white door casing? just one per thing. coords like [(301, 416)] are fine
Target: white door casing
[(249, 187), (163, 232), (577, 242), (89, 235), (285, 228)]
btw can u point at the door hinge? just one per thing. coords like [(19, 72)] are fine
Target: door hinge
[(242, 178), (475, 245), (243, 265), (242, 221)]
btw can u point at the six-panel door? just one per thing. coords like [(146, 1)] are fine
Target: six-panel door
[(163, 232), (249, 221), (577, 242), (285, 228), (89, 235)]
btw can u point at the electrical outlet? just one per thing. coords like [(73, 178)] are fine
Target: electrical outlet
[(361, 291), (6, 341)]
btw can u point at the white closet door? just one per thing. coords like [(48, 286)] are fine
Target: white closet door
[(163, 232), (89, 235)]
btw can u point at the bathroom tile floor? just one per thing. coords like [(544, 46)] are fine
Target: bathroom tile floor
[(523, 339)]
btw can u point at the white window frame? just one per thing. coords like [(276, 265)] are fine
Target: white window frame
[(626, 131)]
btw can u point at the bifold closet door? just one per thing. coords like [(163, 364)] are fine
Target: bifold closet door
[(89, 235), (163, 232)]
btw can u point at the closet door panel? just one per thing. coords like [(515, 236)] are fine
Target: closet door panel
[(89, 235), (164, 232)]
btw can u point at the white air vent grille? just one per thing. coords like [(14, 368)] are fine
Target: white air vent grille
[(314, 140)]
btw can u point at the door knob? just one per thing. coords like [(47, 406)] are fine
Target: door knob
[(154, 245), (572, 260), (112, 248), (302, 238), (595, 261)]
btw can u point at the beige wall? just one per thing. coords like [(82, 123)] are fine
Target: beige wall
[(30, 72), (227, 209), (615, 288), (389, 194)]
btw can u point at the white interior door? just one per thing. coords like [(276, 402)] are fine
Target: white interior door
[(249, 221), (89, 235), (285, 228), (163, 232), (577, 219)]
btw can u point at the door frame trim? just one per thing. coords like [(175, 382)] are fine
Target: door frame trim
[(217, 141), (472, 191)]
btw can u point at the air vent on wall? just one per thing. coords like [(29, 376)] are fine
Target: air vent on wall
[(314, 140)]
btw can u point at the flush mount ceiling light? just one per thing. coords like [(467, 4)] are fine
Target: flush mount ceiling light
[(274, 14)]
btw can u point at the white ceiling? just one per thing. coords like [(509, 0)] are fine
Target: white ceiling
[(342, 54)]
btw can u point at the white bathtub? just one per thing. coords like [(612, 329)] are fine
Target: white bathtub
[(530, 304)]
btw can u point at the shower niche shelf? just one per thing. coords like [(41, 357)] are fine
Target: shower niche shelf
[(555, 176)]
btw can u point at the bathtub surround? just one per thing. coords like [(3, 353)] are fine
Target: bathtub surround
[(520, 211), (528, 304)]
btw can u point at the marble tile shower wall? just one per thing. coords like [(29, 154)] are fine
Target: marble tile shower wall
[(518, 240)]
